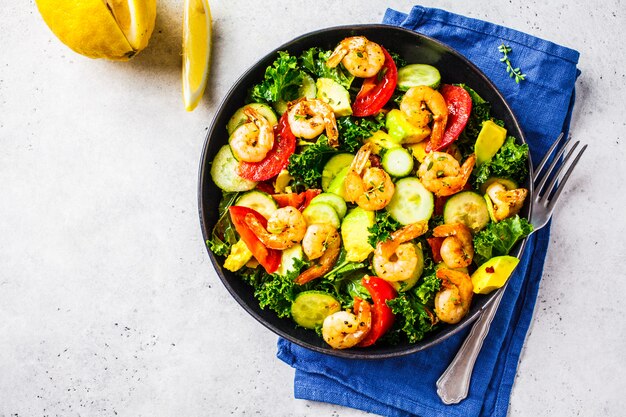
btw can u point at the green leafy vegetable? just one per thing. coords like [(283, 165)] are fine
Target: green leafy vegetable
[(397, 59), (383, 227), (414, 308), (272, 290), (354, 286), (498, 238), (511, 161), (223, 235), (353, 130), (281, 82), (513, 72), (306, 167), (429, 285), (412, 316), (314, 61), (343, 267)]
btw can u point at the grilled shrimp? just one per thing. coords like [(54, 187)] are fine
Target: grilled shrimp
[(457, 249), (396, 259), (344, 329), (285, 227), (505, 202), (441, 174), (371, 188), (421, 104), (453, 301), (308, 118), (252, 141), (331, 246), (360, 56)]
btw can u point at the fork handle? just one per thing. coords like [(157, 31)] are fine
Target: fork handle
[(453, 384)]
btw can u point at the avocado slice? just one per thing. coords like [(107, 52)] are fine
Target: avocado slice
[(489, 141), (493, 274), (336, 184), (382, 140), (403, 131), (333, 93)]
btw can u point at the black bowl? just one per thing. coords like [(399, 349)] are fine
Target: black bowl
[(415, 48)]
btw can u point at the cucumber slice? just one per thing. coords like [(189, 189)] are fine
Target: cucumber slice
[(467, 207), (224, 172), (321, 213), (240, 118), (411, 202), (333, 166), (307, 89), (259, 201), (334, 200), (418, 74), (310, 308), (398, 162), (508, 184), (355, 234), (288, 259)]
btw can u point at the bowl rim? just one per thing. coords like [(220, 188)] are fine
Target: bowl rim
[(206, 230)]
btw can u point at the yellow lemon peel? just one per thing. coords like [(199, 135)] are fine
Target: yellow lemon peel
[(112, 29), (197, 31)]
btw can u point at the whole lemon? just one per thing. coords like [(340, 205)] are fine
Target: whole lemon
[(113, 29)]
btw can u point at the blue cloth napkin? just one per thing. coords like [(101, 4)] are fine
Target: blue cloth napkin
[(406, 386)]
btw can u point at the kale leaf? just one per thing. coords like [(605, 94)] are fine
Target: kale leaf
[(511, 161), (223, 235), (428, 287), (383, 226), (353, 130), (274, 291), (306, 167), (282, 81), (314, 61), (412, 316), (497, 239), (397, 59), (414, 307)]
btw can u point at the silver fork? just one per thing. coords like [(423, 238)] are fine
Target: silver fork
[(453, 385)]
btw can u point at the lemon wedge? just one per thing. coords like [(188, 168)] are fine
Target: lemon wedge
[(197, 29), (112, 29)]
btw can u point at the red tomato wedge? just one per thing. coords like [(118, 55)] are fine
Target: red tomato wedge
[(297, 200), (276, 159), (269, 258), (435, 247), (377, 90), (382, 316), (459, 109)]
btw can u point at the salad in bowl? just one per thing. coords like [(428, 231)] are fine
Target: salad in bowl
[(365, 198)]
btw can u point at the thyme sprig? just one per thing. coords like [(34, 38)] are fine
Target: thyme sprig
[(513, 72)]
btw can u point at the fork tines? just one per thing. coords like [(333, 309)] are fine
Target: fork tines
[(547, 195)]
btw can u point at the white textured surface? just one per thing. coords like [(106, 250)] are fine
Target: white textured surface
[(108, 304)]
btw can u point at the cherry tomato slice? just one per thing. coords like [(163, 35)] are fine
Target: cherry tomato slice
[(376, 92), (297, 200), (268, 258), (435, 247), (459, 109), (276, 159), (382, 316)]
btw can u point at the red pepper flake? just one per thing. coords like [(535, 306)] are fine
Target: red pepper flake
[(490, 270)]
